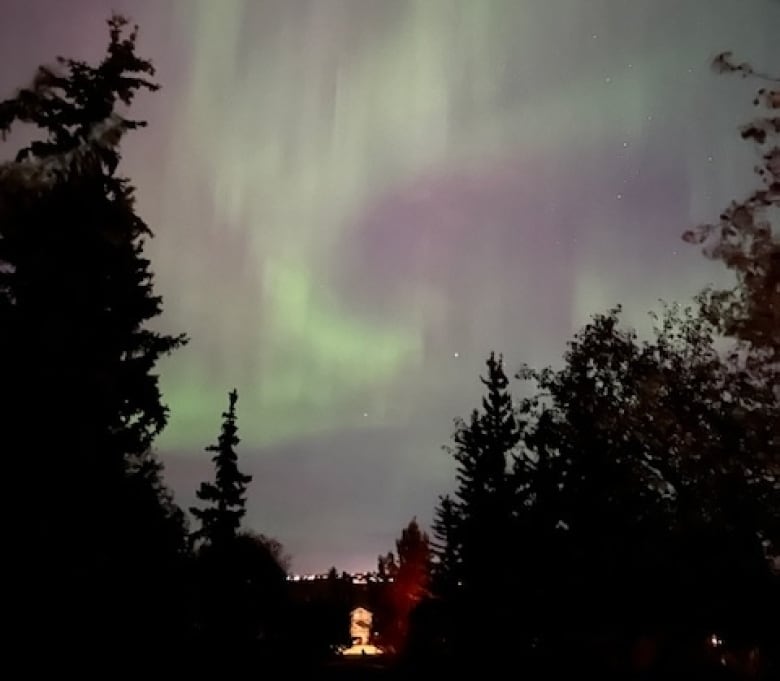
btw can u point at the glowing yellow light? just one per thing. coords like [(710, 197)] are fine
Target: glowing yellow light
[(360, 621), (359, 650)]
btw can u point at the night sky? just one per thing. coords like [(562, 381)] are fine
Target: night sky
[(354, 201)]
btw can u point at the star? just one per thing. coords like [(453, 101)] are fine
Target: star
[(619, 197), (456, 355)]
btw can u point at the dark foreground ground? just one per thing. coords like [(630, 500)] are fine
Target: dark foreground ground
[(352, 669)]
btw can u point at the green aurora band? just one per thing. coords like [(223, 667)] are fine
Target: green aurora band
[(299, 118)]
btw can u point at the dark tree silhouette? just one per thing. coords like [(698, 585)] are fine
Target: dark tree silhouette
[(411, 581), (240, 576), (659, 478), (744, 240), (80, 402), (242, 606), (484, 448), (225, 498), (275, 548), (386, 567), (444, 547), (641, 505)]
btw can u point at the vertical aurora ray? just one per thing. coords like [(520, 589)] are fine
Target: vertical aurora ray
[(301, 121)]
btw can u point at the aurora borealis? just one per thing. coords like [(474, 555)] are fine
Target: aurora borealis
[(354, 201)]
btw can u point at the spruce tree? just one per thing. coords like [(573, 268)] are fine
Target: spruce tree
[(80, 403), (483, 450), (445, 547), (240, 581), (225, 498)]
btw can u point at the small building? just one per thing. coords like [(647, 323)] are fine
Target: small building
[(360, 621)]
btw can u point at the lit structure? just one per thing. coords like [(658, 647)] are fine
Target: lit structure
[(360, 621), (315, 587), (369, 649)]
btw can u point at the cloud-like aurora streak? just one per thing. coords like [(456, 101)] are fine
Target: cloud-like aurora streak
[(307, 117), (316, 359)]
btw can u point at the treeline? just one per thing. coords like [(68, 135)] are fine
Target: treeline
[(620, 514), (620, 517)]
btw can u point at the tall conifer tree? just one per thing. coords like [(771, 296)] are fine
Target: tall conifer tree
[(80, 402), (445, 547), (220, 519)]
